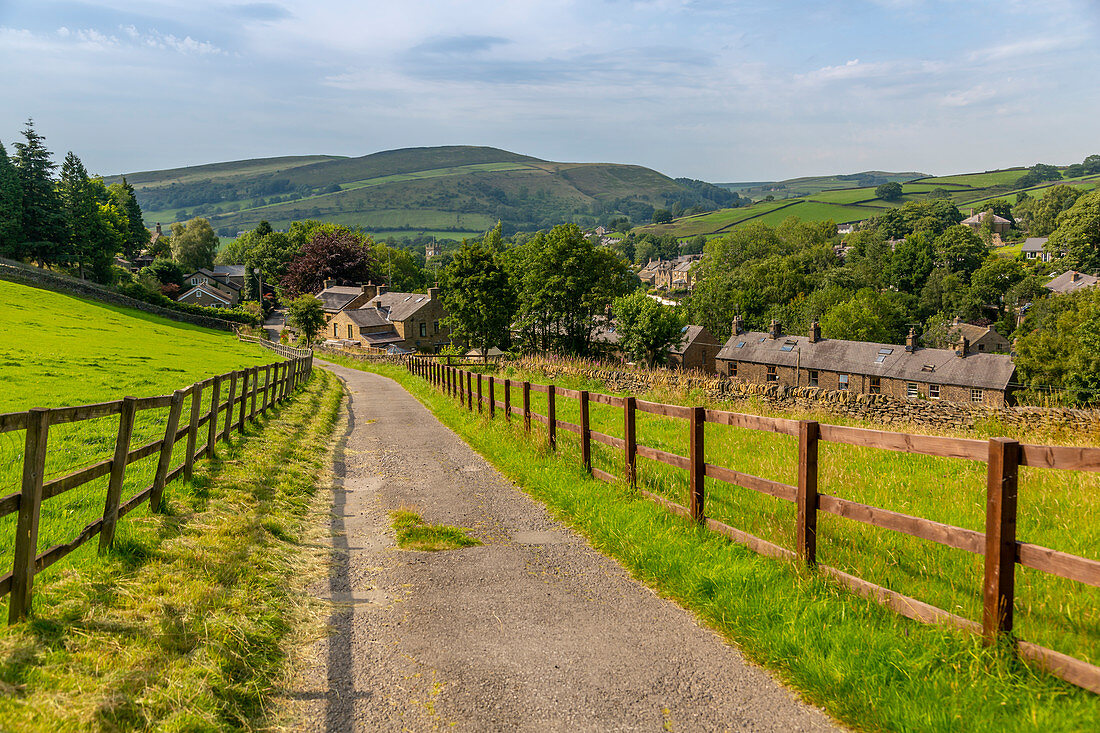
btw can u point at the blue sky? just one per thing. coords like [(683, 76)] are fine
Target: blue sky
[(723, 91)]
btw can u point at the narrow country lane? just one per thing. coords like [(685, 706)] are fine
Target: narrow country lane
[(533, 630)]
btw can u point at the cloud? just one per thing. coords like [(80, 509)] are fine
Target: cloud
[(1030, 47), (967, 97), (459, 45), (261, 11)]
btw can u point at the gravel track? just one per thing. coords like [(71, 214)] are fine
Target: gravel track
[(533, 630)]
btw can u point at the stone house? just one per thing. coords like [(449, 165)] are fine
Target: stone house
[(1071, 281), (696, 351), (975, 221), (336, 298), (209, 289), (903, 372), (1034, 248), (395, 321), (669, 274), (980, 338)]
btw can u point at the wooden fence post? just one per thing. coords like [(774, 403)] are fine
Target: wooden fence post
[(1000, 538), (479, 401), (527, 406), (267, 388), (551, 419), (30, 504), (492, 397), (244, 400), (806, 530), (470, 391), (118, 472), (212, 424), (507, 400), (193, 431), (586, 433), (166, 447), (630, 440), (697, 469), (229, 405), (255, 392)]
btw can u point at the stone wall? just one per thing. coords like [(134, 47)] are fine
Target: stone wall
[(39, 278), (879, 409), (359, 355)]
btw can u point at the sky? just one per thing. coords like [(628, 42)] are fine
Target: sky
[(721, 91)]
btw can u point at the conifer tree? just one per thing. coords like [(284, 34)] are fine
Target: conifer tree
[(137, 236), (11, 207), (44, 234)]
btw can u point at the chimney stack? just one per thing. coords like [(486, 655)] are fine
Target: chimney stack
[(370, 290), (962, 346), (382, 289), (911, 340), (158, 227), (815, 332), (774, 329), (1075, 276), (738, 325), (330, 283)]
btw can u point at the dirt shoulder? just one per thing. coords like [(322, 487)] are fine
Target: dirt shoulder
[(533, 630)]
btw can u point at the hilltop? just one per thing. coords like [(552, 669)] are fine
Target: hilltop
[(817, 199), (457, 189)]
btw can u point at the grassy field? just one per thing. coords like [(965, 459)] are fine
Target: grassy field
[(978, 180), (61, 351), (870, 668), (187, 624), (437, 233)]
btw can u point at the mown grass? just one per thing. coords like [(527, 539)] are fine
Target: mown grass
[(61, 351), (187, 623), (868, 666), (413, 533)]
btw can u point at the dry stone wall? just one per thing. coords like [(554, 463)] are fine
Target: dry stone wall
[(879, 409)]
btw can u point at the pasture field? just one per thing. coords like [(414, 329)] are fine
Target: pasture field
[(59, 351), (810, 210), (978, 180), (437, 233), (872, 669)]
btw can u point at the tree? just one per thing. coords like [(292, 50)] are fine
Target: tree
[(1045, 211), (44, 233), (869, 316), (912, 263), (479, 297), (11, 207), (960, 250), (306, 315), (889, 191), (662, 216), (81, 211), (194, 244), (136, 235), (647, 329), (991, 282), (166, 272), (1078, 234), (1060, 345), (332, 252)]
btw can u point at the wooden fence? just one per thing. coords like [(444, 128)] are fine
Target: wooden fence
[(268, 385), (998, 544)]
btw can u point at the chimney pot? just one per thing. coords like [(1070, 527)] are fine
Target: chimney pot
[(433, 293), (911, 340), (330, 283), (737, 325), (382, 289), (775, 329), (815, 332), (1076, 276), (962, 346)]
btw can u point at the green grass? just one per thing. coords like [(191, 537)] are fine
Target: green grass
[(64, 351), (869, 667), (187, 624), (978, 180), (413, 533), (437, 233)]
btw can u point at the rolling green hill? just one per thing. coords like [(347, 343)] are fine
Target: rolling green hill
[(809, 185), (844, 205), (452, 188)]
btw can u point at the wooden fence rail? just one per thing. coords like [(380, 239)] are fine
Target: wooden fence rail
[(279, 381), (998, 544)]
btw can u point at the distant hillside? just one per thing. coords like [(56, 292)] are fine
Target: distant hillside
[(853, 204), (809, 185), (459, 189)]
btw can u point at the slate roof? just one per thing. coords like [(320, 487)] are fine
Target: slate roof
[(337, 297), (690, 333), (980, 217), (376, 339), (214, 277), (231, 270), (936, 366), (369, 316), (1065, 283), (1034, 244), (399, 306), (972, 332)]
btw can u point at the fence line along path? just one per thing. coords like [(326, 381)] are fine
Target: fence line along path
[(998, 544), (248, 393)]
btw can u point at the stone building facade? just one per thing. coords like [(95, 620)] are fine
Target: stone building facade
[(411, 322), (697, 350)]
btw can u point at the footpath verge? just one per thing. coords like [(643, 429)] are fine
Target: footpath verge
[(867, 666), (188, 623)]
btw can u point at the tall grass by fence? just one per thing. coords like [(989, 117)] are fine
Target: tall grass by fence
[(248, 394), (998, 545)]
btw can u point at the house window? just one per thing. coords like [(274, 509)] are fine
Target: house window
[(194, 281), (976, 395), (842, 381), (335, 333), (813, 377), (911, 390), (981, 347), (423, 329), (771, 374), (436, 326), (876, 385), (934, 391), (733, 369), (349, 330)]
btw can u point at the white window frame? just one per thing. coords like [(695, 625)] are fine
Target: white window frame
[(844, 381), (933, 391), (813, 377), (912, 390), (976, 395)]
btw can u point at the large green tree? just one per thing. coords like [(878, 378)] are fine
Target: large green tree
[(911, 263), (194, 244), (136, 236), (11, 207), (564, 284), (1078, 234), (479, 297), (889, 191), (869, 316), (44, 232), (306, 315), (1059, 345), (960, 250), (1045, 211), (647, 329)]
